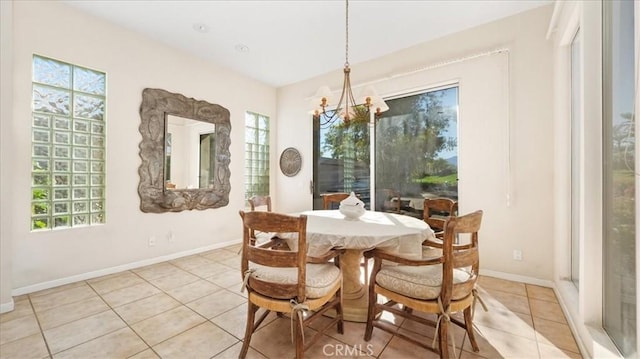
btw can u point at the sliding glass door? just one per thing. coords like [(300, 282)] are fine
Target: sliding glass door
[(341, 158), (619, 272), (416, 151)]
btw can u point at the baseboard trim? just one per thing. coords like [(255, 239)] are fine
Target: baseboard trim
[(106, 271), (517, 278), (7, 307)]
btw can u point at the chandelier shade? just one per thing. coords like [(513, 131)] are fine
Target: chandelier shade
[(325, 107)]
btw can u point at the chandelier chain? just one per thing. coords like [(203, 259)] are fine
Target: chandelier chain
[(346, 42)]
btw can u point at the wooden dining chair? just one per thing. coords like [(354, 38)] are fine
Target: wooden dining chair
[(264, 203), (391, 200), (259, 202), (330, 200), (286, 281), (436, 213), (440, 285)]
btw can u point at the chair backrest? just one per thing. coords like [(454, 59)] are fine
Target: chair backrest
[(437, 211), (391, 200), (329, 198), (459, 256), (260, 201), (261, 221)]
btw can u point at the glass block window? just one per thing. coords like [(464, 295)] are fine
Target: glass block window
[(256, 165), (67, 145)]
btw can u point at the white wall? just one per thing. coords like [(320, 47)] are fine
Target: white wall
[(132, 63), (488, 172)]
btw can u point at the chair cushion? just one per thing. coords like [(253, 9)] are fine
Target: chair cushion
[(263, 237), (420, 282), (320, 278)]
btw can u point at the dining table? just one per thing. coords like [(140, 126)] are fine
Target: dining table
[(328, 229)]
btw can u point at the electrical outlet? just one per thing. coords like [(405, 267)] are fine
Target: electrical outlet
[(517, 254), (152, 241), (170, 237)]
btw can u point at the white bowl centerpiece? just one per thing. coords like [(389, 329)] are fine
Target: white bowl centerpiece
[(352, 207)]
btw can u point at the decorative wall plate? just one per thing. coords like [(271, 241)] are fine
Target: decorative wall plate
[(290, 162)]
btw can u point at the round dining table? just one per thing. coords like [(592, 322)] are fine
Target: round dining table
[(328, 229)]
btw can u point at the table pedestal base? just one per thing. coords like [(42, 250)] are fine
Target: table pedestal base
[(355, 298)]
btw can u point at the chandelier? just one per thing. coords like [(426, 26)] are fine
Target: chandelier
[(348, 107)]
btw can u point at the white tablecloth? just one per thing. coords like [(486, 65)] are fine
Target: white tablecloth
[(395, 232)]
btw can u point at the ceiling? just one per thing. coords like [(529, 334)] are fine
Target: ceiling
[(282, 42)]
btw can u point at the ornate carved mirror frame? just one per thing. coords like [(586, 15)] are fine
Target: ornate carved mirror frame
[(154, 197)]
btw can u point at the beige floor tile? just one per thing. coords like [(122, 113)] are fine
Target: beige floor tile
[(399, 348), (329, 347), (42, 302), (193, 291), (507, 321), (166, 325), (203, 341), (234, 248), (18, 328), (146, 308), (130, 294), (105, 277), (174, 280), (20, 309), (119, 344), (126, 279), (69, 312), (524, 321), (354, 336), (234, 321), (230, 279), (82, 330), (219, 254), (217, 303), (146, 354), (550, 351), (554, 333), (274, 340), (502, 285), (190, 262), (20, 298), (426, 335), (547, 310), (498, 344), (234, 353), (156, 270), (542, 293), (504, 300), (31, 347), (233, 263), (470, 355), (60, 288), (210, 269)]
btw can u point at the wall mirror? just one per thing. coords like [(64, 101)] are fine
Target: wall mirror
[(190, 154), (185, 153)]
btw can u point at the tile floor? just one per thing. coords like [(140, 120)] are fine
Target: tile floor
[(192, 307)]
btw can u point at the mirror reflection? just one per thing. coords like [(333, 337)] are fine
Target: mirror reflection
[(190, 153)]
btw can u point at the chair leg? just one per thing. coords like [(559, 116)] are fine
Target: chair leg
[(443, 331), (373, 299), (299, 328), (468, 323), (251, 316), (339, 312)]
